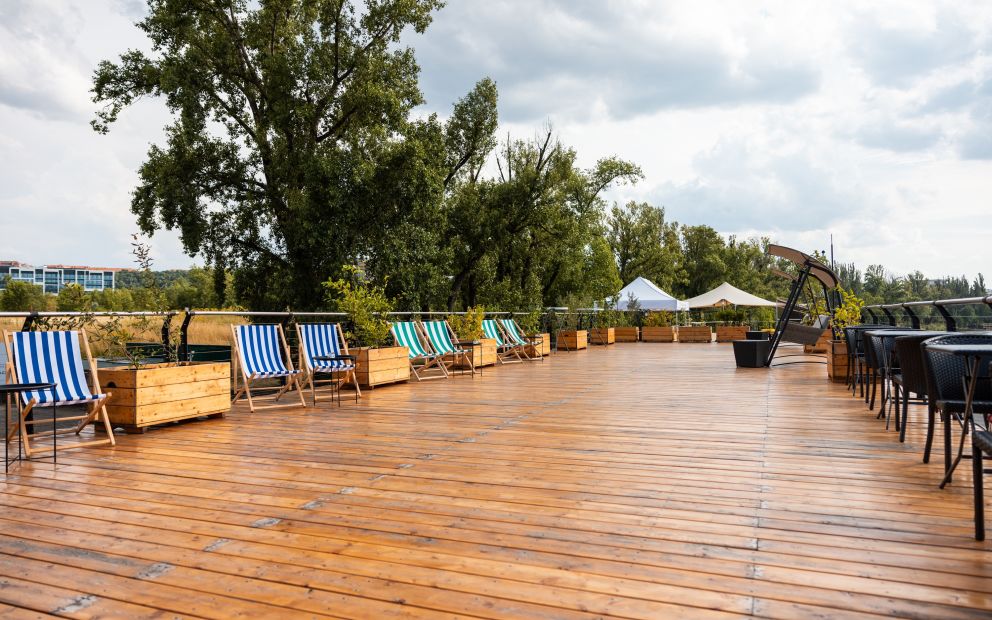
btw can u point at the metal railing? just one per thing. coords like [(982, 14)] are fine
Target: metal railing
[(918, 313)]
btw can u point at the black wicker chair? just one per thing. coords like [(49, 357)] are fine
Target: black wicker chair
[(945, 384), (855, 358), (910, 380), (881, 354)]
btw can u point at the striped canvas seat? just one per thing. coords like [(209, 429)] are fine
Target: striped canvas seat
[(440, 337), (511, 329), (260, 351), (52, 357), (491, 330), (321, 340), (506, 351), (405, 335)]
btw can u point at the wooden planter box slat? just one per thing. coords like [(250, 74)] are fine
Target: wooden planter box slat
[(602, 335), (628, 334), (482, 354), (688, 333), (573, 340), (658, 334), (837, 361), (381, 366), (541, 348), (160, 393), (729, 333)]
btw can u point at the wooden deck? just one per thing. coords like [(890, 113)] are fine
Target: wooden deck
[(638, 481)]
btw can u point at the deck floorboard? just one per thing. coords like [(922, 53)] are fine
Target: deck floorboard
[(633, 481)]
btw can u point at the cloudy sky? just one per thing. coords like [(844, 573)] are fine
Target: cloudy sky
[(788, 119)]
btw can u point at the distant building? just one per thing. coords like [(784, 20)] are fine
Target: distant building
[(53, 278)]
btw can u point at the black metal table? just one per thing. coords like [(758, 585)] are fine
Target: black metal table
[(973, 355), (338, 382), (9, 390), (471, 344)]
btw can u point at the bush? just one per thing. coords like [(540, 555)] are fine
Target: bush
[(468, 326), (366, 306), (73, 298), (21, 296), (658, 318)]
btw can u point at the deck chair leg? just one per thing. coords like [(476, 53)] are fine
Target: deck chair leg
[(354, 381), (299, 390), (251, 404)]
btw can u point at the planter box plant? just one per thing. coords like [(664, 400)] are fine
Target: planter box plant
[(540, 348), (658, 333), (837, 361), (602, 335), (700, 333), (159, 393), (729, 333), (627, 334), (573, 339), (381, 365)]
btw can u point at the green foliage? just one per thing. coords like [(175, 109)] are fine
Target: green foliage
[(848, 313), (73, 298), (113, 300), (645, 245), (530, 323), (659, 318), (19, 296), (366, 306), (468, 326)]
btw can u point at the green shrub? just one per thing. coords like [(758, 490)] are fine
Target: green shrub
[(468, 326), (366, 306)]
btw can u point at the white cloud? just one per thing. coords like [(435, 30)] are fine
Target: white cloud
[(788, 119)]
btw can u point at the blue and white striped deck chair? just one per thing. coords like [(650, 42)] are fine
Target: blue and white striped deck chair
[(326, 340), (515, 335), (262, 353), (505, 351), (439, 335), (422, 358), (55, 357)]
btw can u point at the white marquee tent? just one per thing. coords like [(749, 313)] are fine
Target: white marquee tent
[(728, 295), (649, 297)]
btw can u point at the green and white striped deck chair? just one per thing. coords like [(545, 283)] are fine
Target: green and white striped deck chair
[(440, 336), (515, 335), (422, 357), (505, 350)]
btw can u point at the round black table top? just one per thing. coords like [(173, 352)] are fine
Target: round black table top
[(13, 388), (980, 350), (898, 333)]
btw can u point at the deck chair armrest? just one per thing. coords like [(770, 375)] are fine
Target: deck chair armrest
[(335, 358), (466, 342)]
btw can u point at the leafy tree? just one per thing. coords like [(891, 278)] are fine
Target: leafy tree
[(73, 298), (19, 296), (703, 255), (291, 144), (645, 245), (113, 300)]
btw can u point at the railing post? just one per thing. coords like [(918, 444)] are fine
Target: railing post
[(184, 337), (949, 321), (913, 319), (166, 335), (29, 322), (874, 318), (892, 319)]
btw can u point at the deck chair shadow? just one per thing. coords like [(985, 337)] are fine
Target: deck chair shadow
[(506, 351), (516, 336), (446, 345), (262, 353), (55, 357), (326, 341), (423, 359)]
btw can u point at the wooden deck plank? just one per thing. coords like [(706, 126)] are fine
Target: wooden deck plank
[(576, 488)]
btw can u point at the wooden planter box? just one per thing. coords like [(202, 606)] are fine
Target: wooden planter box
[(482, 354), (695, 334), (542, 348), (572, 340), (160, 393), (729, 333), (837, 361), (602, 335), (627, 334), (380, 366), (658, 334), (822, 345)]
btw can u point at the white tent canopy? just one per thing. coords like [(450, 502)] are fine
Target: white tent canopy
[(649, 297), (728, 295)]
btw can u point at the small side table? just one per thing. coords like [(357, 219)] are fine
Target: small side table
[(338, 382), (471, 344), (9, 390)]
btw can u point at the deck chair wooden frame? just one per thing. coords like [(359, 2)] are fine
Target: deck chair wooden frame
[(522, 339), (422, 357), (96, 409), (506, 353), (452, 357), (338, 376), (248, 378)]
